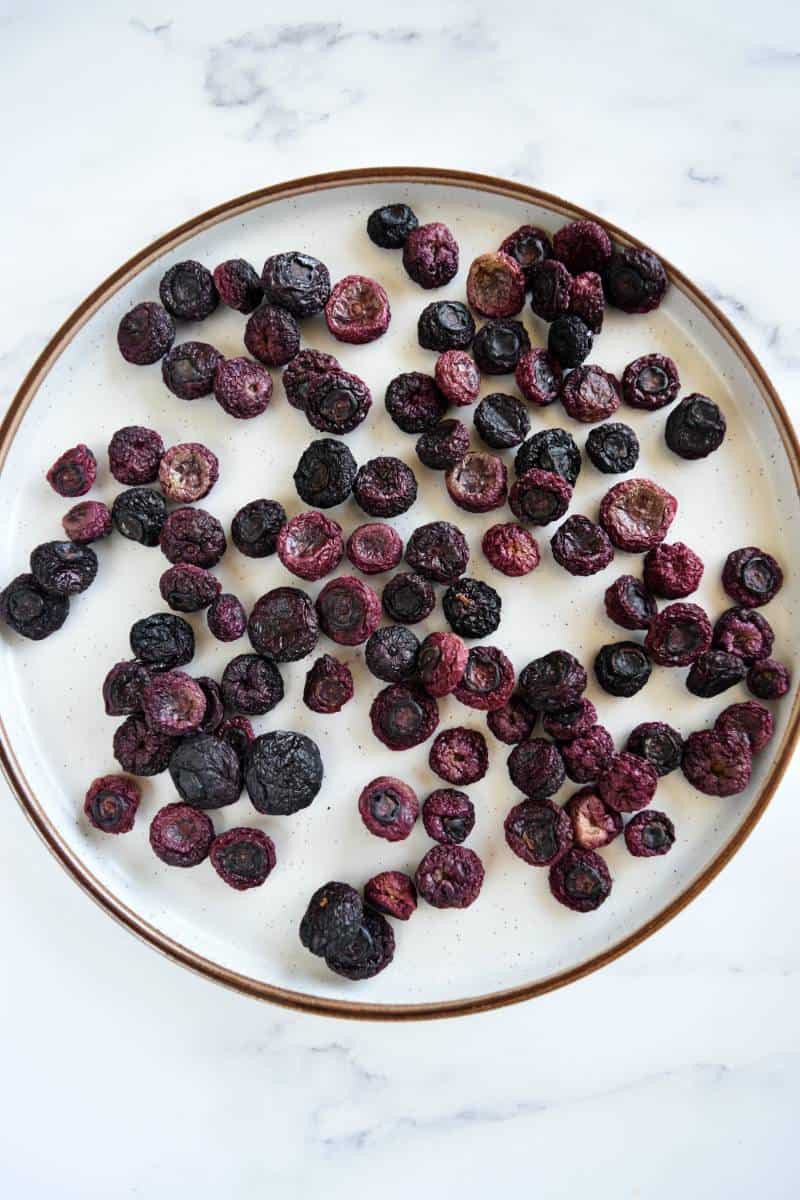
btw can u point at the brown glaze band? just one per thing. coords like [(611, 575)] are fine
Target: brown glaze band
[(12, 768)]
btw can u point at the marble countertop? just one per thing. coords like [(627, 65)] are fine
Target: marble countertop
[(675, 1070)]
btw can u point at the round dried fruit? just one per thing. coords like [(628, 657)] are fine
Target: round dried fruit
[(539, 378), (242, 388), (374, 548), (181, 836), (445, 325), (139, 515), (502, 421), (443, 446), (302, 370), (325, 473), (673, 571), (613, 448), (450, 877), (536, 768), (718, 762), (174, 703), (622, 668), (659, 744), (650, 382), (297, 282), (437, 551), (74, 472), (678, 635), (627, 783), (649, 833), (87, 522), (588, 300), (472, 608), (564, 724), (414, 402), (188, 589), (570, 341), (582, 246), (538, 832), (459, 755), (496, 285), (393, 893), (251, 684), (389, 808), (385, 487), (498, 346), (479, 482), (192, 535), (226, 618), (358, 310), (145, 334), (123, 688), (390, 225), (580, 879), (238, 285), (64, 567), (188, 472), (391, 653), (488, 680), (243, 857), (134, 454), (328, 686), (457, 377), (334, 915), (215, 712), (744, 632), (206, 772), (441, 661), (448, 816), (367, 953), (749, 718), (336, 401), (283, 625), (581, 547), (139, 750), (637, 513), (540, 497), (549, 683), (695, 428), (408, 598), (256, 526), (768, 679), (529, 246), (111, 803), (590, 394), (629, 604), (551, 289), (403, 716), (635, 280), (271, 335), (188, 291), (162, 641), (511, 549), (348, 610), (550, 450), (594, 824), (751, 577), (513, 722), (189, 369), (310, 545), (283, 772), (586, 755), (430, 255), (714, 672)]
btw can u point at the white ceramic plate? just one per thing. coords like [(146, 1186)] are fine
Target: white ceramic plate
[(516, 941)]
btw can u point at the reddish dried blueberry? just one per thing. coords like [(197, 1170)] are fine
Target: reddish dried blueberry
[(673, 571), (334, 915), (74, 472), (391, 653), (358, 310), (123, 688), (445, 325), (140, 750), (145, 334), (188, 291), (438, 552), (511, 549), (457, 377), (64, 567), (513, 722), (215, 712), (348, 610), (695, 428), (495, 285), (590, 394), (325, 473), (551, 289), (714, 672), (188, 589), (226, 618), (502, 421), (441, 661), (173, 703), (251, 684), (548, 683), (450, 877), (637, 513), (649, 833), (236, 732), (238, 285), (498, 346), (718, 762), (256, 526), (540, 497), (448, 816), (297, 282), (472, 608), (582, 246), (162, 641), (622, 668), (768, 679), (139, 515), (271, 335), (181, 836), (328, 686), (550, 450), (744, 632), (678, 635), (659, 744), (571, 721), (751, 577), (536, 768), (613, 448), (538, 832), (242, 388), (414, 402), (650, 382), (302, 370), (539, 378), (310, 545), (87, 522), (430, 255), (627, 783), (192, 535), (392, 893), (569, 340), (134, 454), (367, 953), (529, 246), (581, 547), (594, 824), (580, 879), (336, 401), (629, 604), (403, 716), (749, 718), (389, 808), (459, 755), (374, 548), (390, 225), (206, 772), (479, 482), (283, 772), (189, 369), (385, 487), (111, 803), (408, 598), (488, 681), (443, 446), (243, 857), (188, 472), (586, 755), (588, 300), (635, 280)]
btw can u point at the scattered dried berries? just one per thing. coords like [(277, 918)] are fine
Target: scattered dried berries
[(325, 473), (367, 953), (437, 551), (139, 515), (206, 772), (613, 448), (64, 567), (192, 535), (181, 836), (145, 334), (479, 482), (718, 762), (238, 285), (550, 450), (627, 783), (496, 285), (488, 680), (226, 618), (768, 679), (334, 915), (188, 291), (590, 394), (283, 625), (443, 446), (271, 335), (310, 545), (650, 382), (188, 589), (696, 427), (162, 641), (540, 497), (580, 879), (502, 421), (622, 668), (448, 816), (174, 703), (564, 724), (391, 653), (450, 877), (348, 610), (649, 833), (659, 743), (283, 772), (549, 683), (242, 388), (188, 472), (745, 632), (672, 570), (457, 377), (328, 686), (74, 472), (256, 526), (87, 522), (635, 280), (472, 608), (430, 255), (111, 803), (389, 808), (498, 346), (441, 661), (629, 604), (751, 577), (189, 369), (385, 487), (358, 310), (408, 598), (140, 750), (637, 513), (582, 246), (123, 688), (678, 635), (586, 755), (513, 722), (297, 282), (134, 454), (588, 299), (403, 716), (302, 370), (336, 401), (581, 547), (445, 325), (570, 341), (251, 684), (749, 718), (393, 893), (414, 402), (538, 832), (551, 289), (390, 225), (594, 824), (529, 246), (243, 857), (459, 755), (374, 548), (538, 377), (511, 549), (714, 672)]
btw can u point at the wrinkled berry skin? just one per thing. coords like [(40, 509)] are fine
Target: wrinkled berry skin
[(627, 783), (749, 718), (450, 877), (551, 289), (64, 567), (536, 768), (236, 732), (408, 598), (403, 716), (744, 632), (139, 515), (358, 310), (328, 686), (389, 226), (457, 377), (283, 772), (443, 446), (255, 528), (538, 832), (391, 653), (87, 522), (590, 394), (414, 402), (192, 535), (511, 549), (472, 608), (441, 661), (672, 570), (385, 487), (622, 668), (649, 833), (134, 455), (337, 402), (718, 762), (306, 366), (348, 610), (226, 618), (637, 513), (111, 803), (188, 472), (243, 858), (496, 285), (74, 472), (162, 641), (634, 280), (678, 635), (539, 497), (123, 688), (215, 712), (570, 722), (580, 880), (550, 450), (189, 369), (297, 282), (594, 824), (539, 377), (251, 684), (173, 703), (529, 246), (145, 334), (714, 672), (581, 547), (502, 421), (488, 681), (588, 300), (695, 428), (751, 577), (448, 816), (582, 246), (188, 291), (569, 340), (498, 346), (389, 808), (430, 255), (271, 335), (512, 723), (242, 388), (392, 893), (140, 750), (445, 325), (459, 756), (374, 548), (479, 482), (650, 382), (549, 683), (334, 915), (181, 836), (310, 545), (613, 448), (188, 589), (659, 744), (206, 772), (438, 552), (629, 604), (367, 953), (768, 679), (325, 473), (238, 285), (283, 625), (586, 755)]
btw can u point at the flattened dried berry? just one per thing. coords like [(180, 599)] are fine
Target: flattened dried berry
[(580, 880), (540, 497), (581, 547), (539, 378), (714, 672), (162, 641), (582, 246), (389, 808), (188, 472), (174, 703), (718, 762), (498, 346), (622, 668), (385, 487), (226, 618), (472, 608), (673, 570), (459, 756), (181, 836), (443, 446), (594, 824), (139, 750), (637, 513), (569, 340), (613, 448), (256, 526), (243, 857), (403, 716), (336, 401), (549, 683), (437, 551), (586, 755), (64, 567), (488, 681), (695, 428), (408, 598), (188, 291), (334, 915), (536, 768), (448, 816), (513, 722), (188, 589), (496, 285), (628, 783), (328, 686), (302, 370), (236, 732), (251, 684), (751, 577), (457, 377), (650, 382), (123, 688), (206, 772), (768, 679), (551, 289), (139, 515), (430, 255), (374, 548), (502, 421), (192, 535), (145, 333), (134, 454), (745, 632), (659, 744), (111, 803), (450, 877), (74, 472), (529, 246), (272, 336), (190, 368), (550, 450), (749, 718), (564, 724), (215, 712), (445, 325), (391, 653), (87, 522), (310, 545), (629, 604), (358, 310), (325, 473), (390, 225), (538, 832), (441, 662), (242, 388), (367, 953), (414, 402), (649, 833), (678, 635), (238, 285), (297, 282), (283, 772), (635, 280), (588, 300), (511, 549), (590, 394), (348, 610), (479, 482), (393, 893)]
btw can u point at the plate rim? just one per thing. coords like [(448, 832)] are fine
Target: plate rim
[(12, 768)]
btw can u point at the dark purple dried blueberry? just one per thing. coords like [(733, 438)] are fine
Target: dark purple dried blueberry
[(243, 857), (123, 688), (629, 604), (367, 953), (496, 285), (479, 482), (749, 718), (374, 548), (283, 772), (430, 255), (551, 289), (511, 549), (513, 722), (139, 515), (271, 335), (594, 824), (385, 487), (226, 618), (297, 282), (238, 285), (459, 756), (714, 672), (192, 535), (539, 377), (751, 577), (283, 625), (448, 816), (540, 497), (189, 369), (188, 291), (403, 716), (181, 836), (74, 472), (390, 225), (242, 388), (310, 545), (472, 608), (538, 832), (188, 472), (188, 589), (650, 382), (649, 833), (325, 473), (336, 401), (622, 668), (87, 522), (488, 679), (627, 783), (140, 750), (237, 732), (569, 340), (613, 448), (744, 632), (445, 325), (302, 370), (391, 654), (450, 877), (206, 772), (580, 879), (582, 246), (214, 714), (64, 567), (635, 280), (502, 421), (408, 598), (414, 402), (672, 570), (529, 246), (637, 513), (586, 755), (695, 428), (134, 454), (552, 681), (111, 803), (659, 744), (437, 551), (389, 808), (564, 724), (588, 299), (550, 450), (498, 346), (590, 394), (444, 445), (256, 526), (173, 703), (393, 893), (718, 762), (328, 686), (334, 915), (145, 334), (457, 377), (251, 684), (441, 663), (358, 310), (678, 635), (536, 768), (581, 547), (348, 610), (162, 641), (768, 679)]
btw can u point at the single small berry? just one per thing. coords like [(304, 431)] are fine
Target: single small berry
[(189, 369), (181, 836), (459, 756), (445, 325), (310, 545), (389, 808), (391, 653), (582, 246), (430, 255), (226, 618), (242, 388), (255, 528), (539, 377), (272, 336), (192, 535), (238, 285), (328, 685), (87, 522), (672, 570), (629, 604), (751, 577), (74, 472), (111, 803), (358, 310), (390, 225), (569, 340), (695, 428), (134, 455), (498, 346), (496, 285), (637, 513), (408, 598), (374, 547), (188, 589), (622, 668), (283, 625), (590, 394), (243, 858), (297, 282), (188, 291), (457, 377), (145, 334), (488, 679), (635, 280), (650, 382)]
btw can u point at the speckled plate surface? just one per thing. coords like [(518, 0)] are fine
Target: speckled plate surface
[(516, 941)]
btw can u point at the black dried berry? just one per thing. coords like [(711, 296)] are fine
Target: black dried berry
[(297, 282), (438, 551), (162, 641), (283, 625), (551, 289), (430, 255), (334, 915), (325, 473), (188, 589), (613, 448), (622, 668), (192, 535), (31, 611), (536, 768), (569, 340), (236, 732), (550, 450), (123, 688), (391, 653), (140, 750), (251, 684), (549, 683), (529, 246), (472, 608), (444, 445), (328, 685), (445, 325), (714, 672), (659, 744), (188, 291), (581, 547), (367, 953), (272, 336), (635, 280), (336, 401), (145, 334), (189, 369), (502, 421), (408, 598), (385, 487), (538, 831), (64, 567), (540, 497), (628, 602), (348, 610), (414, 402), (139, 514), (283, 772), (498, 345), (238, 285), (390, 225), (206, 772), (696, 427), (256, 526)]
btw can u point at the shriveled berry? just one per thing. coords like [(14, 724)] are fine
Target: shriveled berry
[(586, 755), (678, 635), (594, 824), (408, 598), (367, 953), (650, 382), (374, 548), (390, 225), (325, 473), (188, 472), (437, 551), (637, 513), (750, 718), (581, 547), (529, 245), (536, 768), (672, 570), (414, 402), (87, 522), (348, 610), (173, 703), (188, 589), (459, 755), (613, 448), (457, 377), (283, 772), (283, 625), (188, 291), (389, 808), (580, 880), (550, 450), (385, 487), (214, 714), (123, 688), (448, 816), (496, 285), (564, 724), (251, 684), (358, 310), (403, 716), (297, 282), (718, 762), (145, 333), (629, 604), (695, 428), (588, 300), (238, 285), (622, 668), (336, 401), (540, 497), (635, 280), (751, 577), (569, 340), (502, 421), (226, 618), (591, 394), (134, 454), (450, 877), (511, 549), (649, 833), (310, 545), (745, 632), (391, 653), (582, 246), (430, 255), (479, 482), (74, 472), (659, 743), (334, 915), (513, 722), (302, 370), (139, 515), (140, 750), (393, 893), (768, 679), (472, 608), (237, 732), (539, 378), (498, 346), (162, 641), (441, 662), (627, 783), (272, 336), (714, 672), (551, 289), (192, 535), (111, 803), (328, 686), (256, 526), (243, 857), (64, 567), (181, 836), (488, 680), (242, 388), (443, 446), (445, 325), (189, 369), (552, 681), (538, 832)]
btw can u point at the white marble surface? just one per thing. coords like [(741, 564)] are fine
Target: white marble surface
[(673, 1072)]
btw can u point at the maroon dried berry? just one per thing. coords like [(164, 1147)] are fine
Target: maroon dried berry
[(391, 653), (256, 526), (457, 377), (629, 604), (570, 341), (283, 772), (695, 428), (64, 567), (215, 712), (437, 551), (188, 589), (251, 684), (749, 718), (448, 816), (551, 289), (181, 836), (582, 246), (751, 577), (594, 824), (87, 522), (536, 768), (226, 618), (590, 394), (459, 755), (162, 641), (678, 635), (496, 285), (488, 679), (441, 662), (348, 610), (445, 325), (297, 282), (328, 686), (337, 402), (139, 515), (302, 370), (145, 334), (552, 681), (358, 310), (334, 915), (140, 750), (443, 446), (123, 688), (650, 382), (502, 421), (672, 570), (74, 472), (627, 783), (659, 744), (529, 246), (744, 632), (714, 672), (325, 473), (511, 549), (588, 300), (238, 285), (403, 716), (389, 808), (173, 703), (450, 877), (414, 402), (581, 547), (111, 803), (390, 225), (310, 545), (586, 755), (271, 335), (498, 346), (188, 472), (189, 369), (430, 255), (188, 291), (408, 598), (374, 547), (649, 833), (384, 487), (768, 679), (635, 280), (243, 857), (242, 388), (392, 893), (637, 513), (540, 497), (539, 377), (134, 454), (538, 832), (367, 953), (479, 482), (236, 732), (580, 879), (718, 762), (513, 722), (564, 724), (192, 535)]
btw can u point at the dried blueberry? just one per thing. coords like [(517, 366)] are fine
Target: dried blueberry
[(448, 816), (162, 641), (582, 246), (457, 377), (302, 370), (529, 246), (441, 662), (430, 255), (472, 608), (538, 832), (243, 857), (181, 836), (226, 618), (672, 570), (206, 772), (629, 604), (502, 421), (87, 522), (334, 915), (348, 610), (271, 335), (511, 549), (751, 577), (768, 679), (635, 280), (613, 448), (540, 497), (188, 472), (139, 514), (588, 299), (637, 513), (390, 225), (389, 808), (336, 401), (192, 535), (188, 291), (552, 681), (445, 325), (678, 635), (488, 680), (310, 545), (745, 632), (358, 310), (385, 487), (459, 756), (564, 724), (569, 340), (189, 369), (374, 548), (479, 482), (391, 653), (450, 877), (649, 833), (580, 879), (393, 893), (328, 686), (714, 672), (443, 446), (718, 762), (134, 454), (581, 547), (256, 526), (145, 333), (622, 668), (414, 402), (188, 589), (283, 772), (325, 473), (238, 285), (586, 755), (64, 567), (650, 382), (750, 718), (539, 377), (367, 953), (140, 750), (551, 289), (403, 716), (236, 732), (111, 803), (513, 722), (496, 285), (498, 346), (550, 450), (242, 388), (123, 688), (251, 684), (214, 714), (173, 703), (74, 472), (659, 744), (297, 282), (627, 783), (696, 427), (536, 768), (408, 598), (437, 551), (594, 824), (591, 394)]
